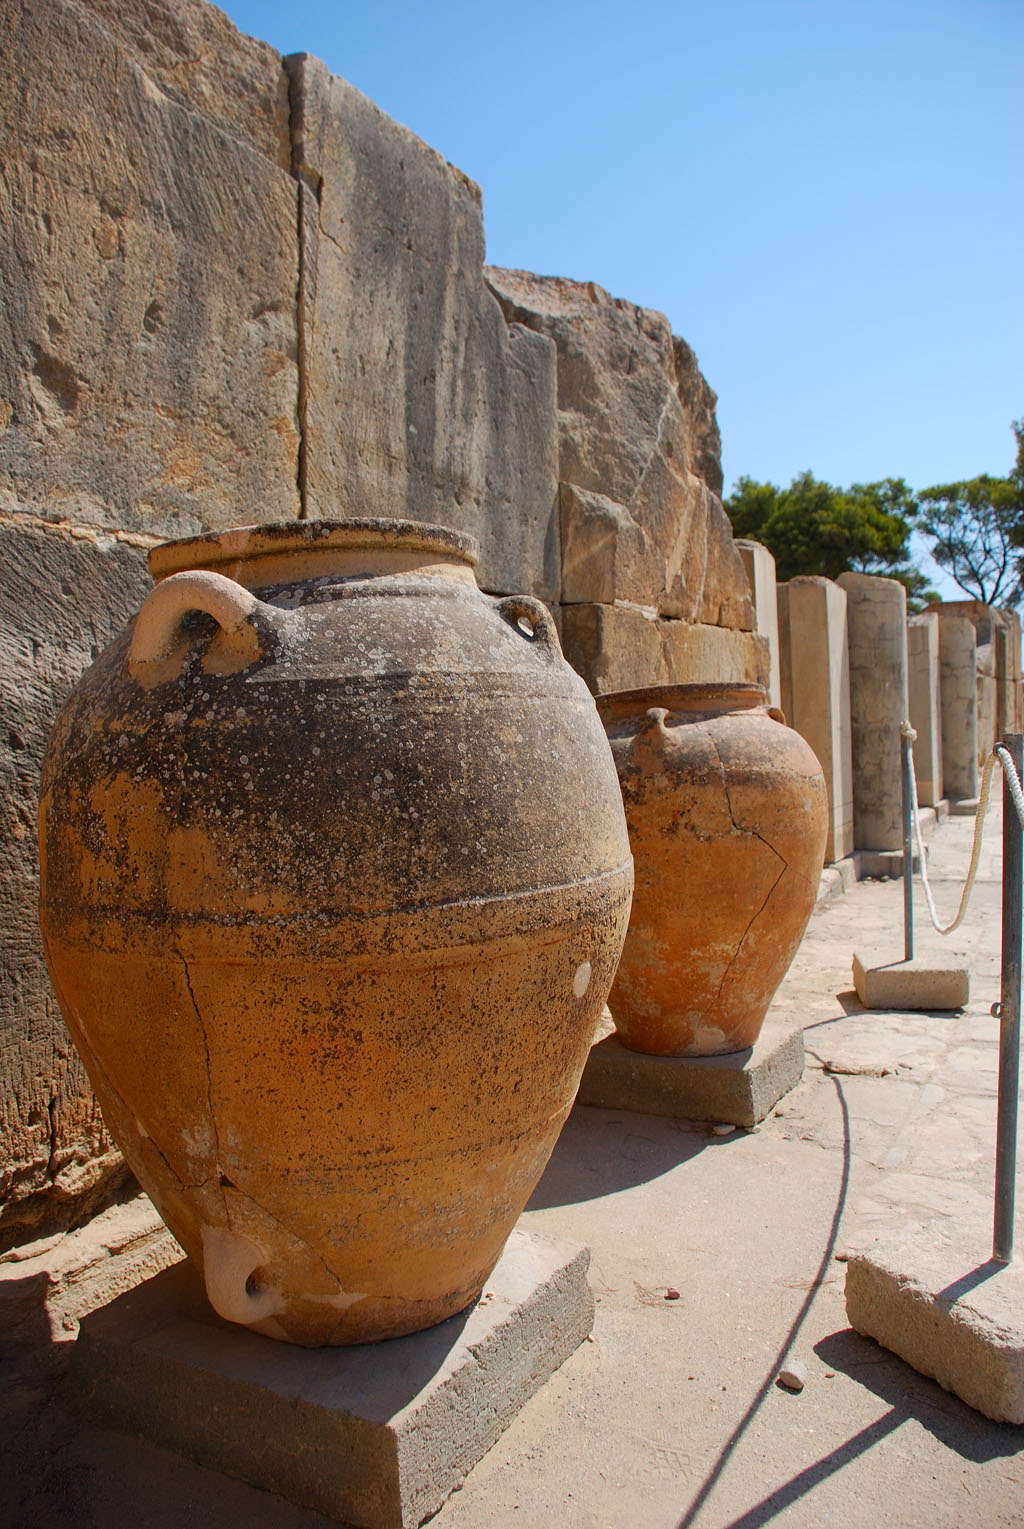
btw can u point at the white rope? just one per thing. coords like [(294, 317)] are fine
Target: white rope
[(1000, 756)]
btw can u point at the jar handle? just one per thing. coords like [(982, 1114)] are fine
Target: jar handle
[(531, 619), (160, 640)]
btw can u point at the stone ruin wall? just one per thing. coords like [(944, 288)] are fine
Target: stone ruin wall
[(236, 291)]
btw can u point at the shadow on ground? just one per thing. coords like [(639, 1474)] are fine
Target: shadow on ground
[(602, 1151)]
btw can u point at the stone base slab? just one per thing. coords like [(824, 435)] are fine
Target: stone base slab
[(917, 984), (377, 1435), (963, 807), (932, 1298), (739, 1088)]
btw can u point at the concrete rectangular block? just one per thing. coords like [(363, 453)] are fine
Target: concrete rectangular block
[(934, 1298), (377, 1435), (760, 570), (918, 984), (877, 627), (814, 674), (924, 688), (739, 1088)]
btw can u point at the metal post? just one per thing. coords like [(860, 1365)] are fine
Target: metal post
[(907, 736), (1009, 1013)]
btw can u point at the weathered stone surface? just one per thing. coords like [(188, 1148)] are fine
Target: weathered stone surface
[(876, 611), (62, 597), (815, 685), (620, 647), (193, 53), (378, 1435), (924, 689), (148, 347), (419, 400), (958, 668), (759, 566), (985, 679), (638, 445)]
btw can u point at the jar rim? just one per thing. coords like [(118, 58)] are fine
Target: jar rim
[(235, 543)]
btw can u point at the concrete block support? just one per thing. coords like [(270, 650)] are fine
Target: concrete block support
[(739, 1088), (924, 687), (760, 570), (934, 1299), (377, 1435), (877, 626), (815, 690), (959, 703)]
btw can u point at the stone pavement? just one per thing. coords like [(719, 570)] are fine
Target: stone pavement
[(670, 1417)]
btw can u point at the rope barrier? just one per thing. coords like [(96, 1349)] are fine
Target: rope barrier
[(997, 756)]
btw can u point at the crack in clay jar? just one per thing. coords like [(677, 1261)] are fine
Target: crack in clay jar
[(726, 812), (335, 876)]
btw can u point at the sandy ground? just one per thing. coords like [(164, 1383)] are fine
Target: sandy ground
[(671, 1417)]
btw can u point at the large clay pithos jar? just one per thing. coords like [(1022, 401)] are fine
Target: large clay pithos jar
[(335, 877), (727, 822)]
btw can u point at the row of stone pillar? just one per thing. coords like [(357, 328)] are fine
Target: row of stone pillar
[(848, 667)]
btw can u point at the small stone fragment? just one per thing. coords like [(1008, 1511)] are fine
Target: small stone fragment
[(793, 1375), (671, 1293), (722, 1130)]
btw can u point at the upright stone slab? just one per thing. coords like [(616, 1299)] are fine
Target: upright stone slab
[(815, 689), (148, 253), (1009, 696), (924, 687), (419, 400), (959, 702), (760, 570), (986, 692), (877, 626)]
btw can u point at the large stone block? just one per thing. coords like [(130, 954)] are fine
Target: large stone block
[(418, 399), (958, 694), (986, 686), (815, 687), (617, 647), (924, 688), (638, 447), (759, 566), (148, 343), (877, 626), (63, 596)]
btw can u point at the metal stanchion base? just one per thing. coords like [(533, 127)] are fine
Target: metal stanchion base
[(934, 1299), (917, 984)]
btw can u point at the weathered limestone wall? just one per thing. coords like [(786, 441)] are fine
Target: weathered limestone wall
[(643, 532), (235, 291), (924, 688), (759, 566), (986, 699), (815, 688), (877, 625)]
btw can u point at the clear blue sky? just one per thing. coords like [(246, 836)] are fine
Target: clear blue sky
[(825, 198)]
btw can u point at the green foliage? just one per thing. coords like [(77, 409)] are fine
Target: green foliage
[(976, 528), (813, 528)]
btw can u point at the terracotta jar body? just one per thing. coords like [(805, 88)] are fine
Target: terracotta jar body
[(335, 877), (727, 822)]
